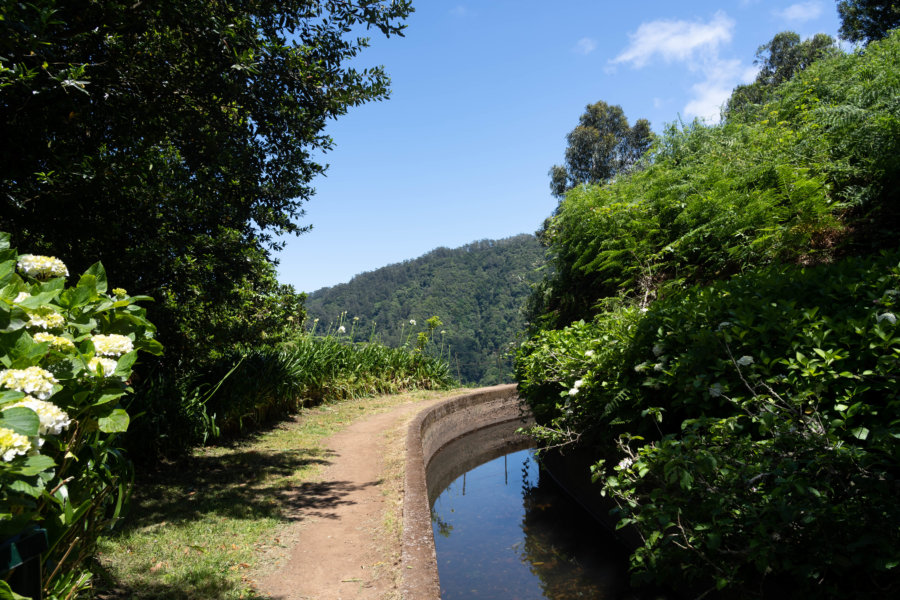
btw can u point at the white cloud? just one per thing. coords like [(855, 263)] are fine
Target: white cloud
[(802, 11), (676, 41), (710, 94), (585, 46), (696, 46)]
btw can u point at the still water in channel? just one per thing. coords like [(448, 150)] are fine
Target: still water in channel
[(505, 531)]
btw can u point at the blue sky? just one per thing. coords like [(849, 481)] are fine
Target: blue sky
[(483, 94)]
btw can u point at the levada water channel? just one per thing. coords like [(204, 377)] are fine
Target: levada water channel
[(504, 530)]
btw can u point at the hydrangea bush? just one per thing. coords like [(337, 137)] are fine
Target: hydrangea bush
[(67, 355)]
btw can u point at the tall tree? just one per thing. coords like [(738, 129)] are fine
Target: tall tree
[(867, 20), (602, 145), (176, 139), (779, 60)]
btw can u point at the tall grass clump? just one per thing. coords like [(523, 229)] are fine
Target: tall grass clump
[(244, 388)]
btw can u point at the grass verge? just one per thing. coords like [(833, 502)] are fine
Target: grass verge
[(198, 527)]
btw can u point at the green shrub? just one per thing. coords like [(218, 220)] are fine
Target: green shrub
[(67, 355), (748, 429)]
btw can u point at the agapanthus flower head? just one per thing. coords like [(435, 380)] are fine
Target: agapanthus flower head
[(44, 317), (112, 344), (106, 366), (53, 419), (32, 380), (12, 444), (42, 267), (58, 343)]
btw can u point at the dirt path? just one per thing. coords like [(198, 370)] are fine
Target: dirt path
[(346, 550)]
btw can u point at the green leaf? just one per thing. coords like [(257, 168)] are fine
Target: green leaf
[(860, 433), (6, 593), (36, 464), (115, 422), (23, 421), (38, 300), (4, 240), (22, 487), (108, 395), (124, 364), (99, 272)]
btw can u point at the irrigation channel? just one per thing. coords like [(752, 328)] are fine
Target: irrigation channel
[(504, 529)]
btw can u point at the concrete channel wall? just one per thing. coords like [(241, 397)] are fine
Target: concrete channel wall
[(431, 430)]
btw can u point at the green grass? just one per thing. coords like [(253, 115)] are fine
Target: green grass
[(199, 527)]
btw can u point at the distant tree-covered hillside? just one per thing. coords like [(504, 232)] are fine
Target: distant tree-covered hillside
[(477, 290)]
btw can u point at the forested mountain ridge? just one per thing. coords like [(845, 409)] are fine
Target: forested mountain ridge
[(477, 290)]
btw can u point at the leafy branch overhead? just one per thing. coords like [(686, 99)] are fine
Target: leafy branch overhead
[(177, 139)]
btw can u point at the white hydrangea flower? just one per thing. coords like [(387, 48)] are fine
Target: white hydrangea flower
[(44, 318), (107, 366), (657, 349), (412, 321), (640, 368), (887, 316), (21, 297), (112, 344), (342, 329), (589, 353), (12, 444), (56, 342), (42, 267), (745, 360), (33, 380), (53, 419)]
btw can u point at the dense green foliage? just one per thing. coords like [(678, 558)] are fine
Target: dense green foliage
[(66, 358), (243, 390), (867, 20), (173, 139), (478, 291), (721, 332), (779, 60), (601, 146)]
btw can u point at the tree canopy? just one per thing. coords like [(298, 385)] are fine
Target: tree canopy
[(175, 140), (478, 291), (779, 60), (868, 20), (602, 145)]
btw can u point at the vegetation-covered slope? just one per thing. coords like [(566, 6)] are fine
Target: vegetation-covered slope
[(477, 290), (720, 331)]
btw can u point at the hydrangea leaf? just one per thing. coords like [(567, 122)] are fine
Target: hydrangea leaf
[(23, 421), (99, 272), (115, 422)]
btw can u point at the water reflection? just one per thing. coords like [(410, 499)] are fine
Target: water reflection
[(504, 530)]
